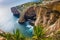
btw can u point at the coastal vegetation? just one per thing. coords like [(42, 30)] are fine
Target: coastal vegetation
[(38, 34), (17, 35)]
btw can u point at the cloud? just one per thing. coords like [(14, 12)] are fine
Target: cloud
[(7, 2), (1, 1)]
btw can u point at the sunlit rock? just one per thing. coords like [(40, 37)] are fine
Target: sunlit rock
[(46, 14), (2, 38)]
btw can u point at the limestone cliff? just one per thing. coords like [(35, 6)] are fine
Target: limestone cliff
[(46, 14)]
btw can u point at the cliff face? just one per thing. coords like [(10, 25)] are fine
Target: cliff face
[(46, 14), (49, 15), (51, 10)]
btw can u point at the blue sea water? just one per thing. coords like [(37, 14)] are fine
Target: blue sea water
[(8, 22)]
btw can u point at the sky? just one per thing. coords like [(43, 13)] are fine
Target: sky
[(13, 2)]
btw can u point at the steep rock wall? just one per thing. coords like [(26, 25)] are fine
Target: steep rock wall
[(46, 14), (49, 17)]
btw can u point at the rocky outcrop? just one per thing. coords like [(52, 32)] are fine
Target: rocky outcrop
[(46, 14), (30, 14), (25, 14), (20, 12), (15, 12)]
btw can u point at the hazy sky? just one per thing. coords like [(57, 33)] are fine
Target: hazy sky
[(13, 2)]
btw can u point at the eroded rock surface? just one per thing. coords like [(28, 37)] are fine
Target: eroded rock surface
[(46, 14), (15, 12)]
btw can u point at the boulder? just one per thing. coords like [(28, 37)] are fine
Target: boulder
[(44, 15)]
